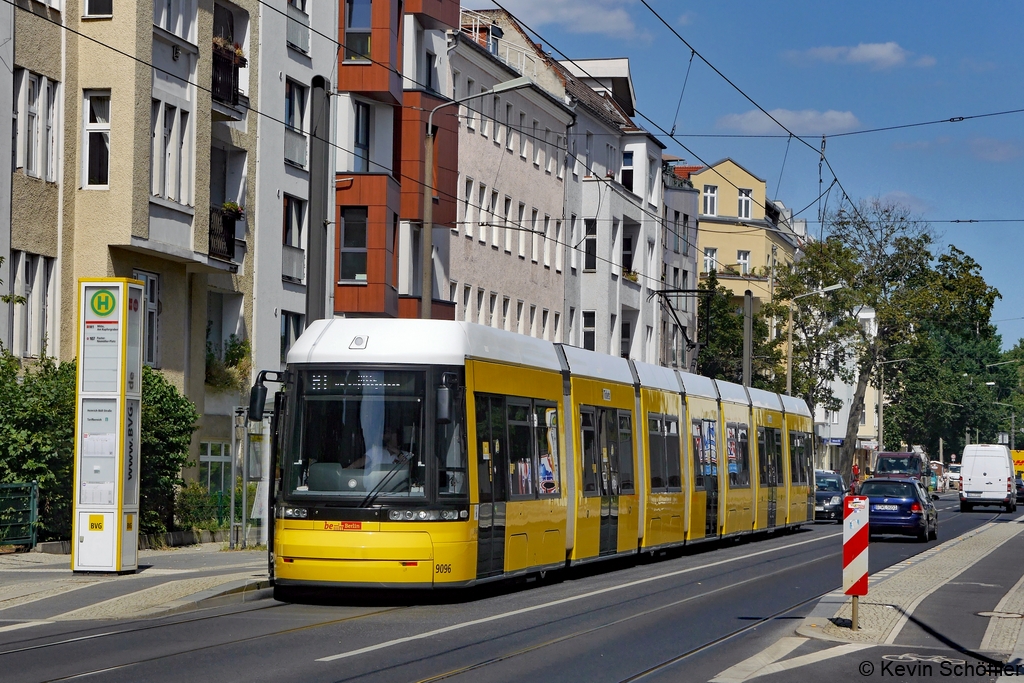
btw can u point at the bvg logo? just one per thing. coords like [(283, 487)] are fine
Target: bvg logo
[(102, 302)]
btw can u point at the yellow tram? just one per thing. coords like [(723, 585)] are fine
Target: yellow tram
[(421, 453)]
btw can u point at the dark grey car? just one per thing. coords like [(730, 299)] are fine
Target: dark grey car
[(829, 490)]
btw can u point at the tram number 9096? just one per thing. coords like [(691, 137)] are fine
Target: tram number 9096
[(442, 569)]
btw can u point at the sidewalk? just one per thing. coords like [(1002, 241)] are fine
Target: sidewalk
[(966, 593), (38, 587)]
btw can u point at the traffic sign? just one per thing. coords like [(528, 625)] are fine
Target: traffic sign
[(855, 545)]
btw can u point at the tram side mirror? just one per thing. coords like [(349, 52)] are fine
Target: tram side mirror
[(257, 401), (444, 404)]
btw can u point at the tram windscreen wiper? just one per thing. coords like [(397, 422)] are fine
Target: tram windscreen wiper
[(376, 490)]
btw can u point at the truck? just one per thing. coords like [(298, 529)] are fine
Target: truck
[(908, 465)]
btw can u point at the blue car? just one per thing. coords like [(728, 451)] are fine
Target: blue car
[(900, 506)]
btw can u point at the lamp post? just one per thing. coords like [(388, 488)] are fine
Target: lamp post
[(789, 334), (427, 283)]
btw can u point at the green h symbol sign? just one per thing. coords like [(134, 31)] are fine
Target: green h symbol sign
[(102, 302)]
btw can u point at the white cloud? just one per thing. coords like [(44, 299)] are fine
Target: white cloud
[(607, 17), (916, 204), (804, 122), (877, 56), (685, 19), (995, 151)]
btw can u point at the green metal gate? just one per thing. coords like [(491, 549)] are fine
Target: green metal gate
[(19, 505)]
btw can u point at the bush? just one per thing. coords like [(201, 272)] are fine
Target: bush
[(197, 508)]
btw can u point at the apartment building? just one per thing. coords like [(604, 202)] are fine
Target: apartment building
[(164, 141), (392, 71), (508, 246), (678, 269)]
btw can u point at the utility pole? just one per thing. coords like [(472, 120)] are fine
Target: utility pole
[(748, 335)]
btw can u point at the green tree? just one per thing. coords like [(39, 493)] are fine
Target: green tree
[(720, 333), (168, 421)]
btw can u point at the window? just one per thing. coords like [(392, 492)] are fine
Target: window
[(710, 259), (711, 200), (481, 206), (743, 260), (521, 435), (171, 160), (497, 120), (559, 248), (800, 457), (572, 242), (743, 210), (675, 232), (291, 327), (430, 79), (627, 253), (97, 138), (627, 170), (495, 227), (652, 175), (361, 138), (519, 316), (504, 312), (483, 115), (686, 234), (492, 304), (536, 144), (589, 154), (535, 235), (353, 244), (467, 217), (295, 105), (99, 8), (738, 454), (294, 215), (508, 224), (32, 126), (606, 436), (176, 16), (547, 241), (558, 329), (663, 437), (769, 448), (215, 467), (589, 330), (508, 127), (467, 303), (705, 452), (684, 283), (522, 134), (151, 350), (559, 166), (357, 29), (470, 114), (589, 244), (533, 320), (32, 279), (544, 324), (625, 339), (548, 156)]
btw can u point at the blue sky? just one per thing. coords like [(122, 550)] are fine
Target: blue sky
[(834, 68)]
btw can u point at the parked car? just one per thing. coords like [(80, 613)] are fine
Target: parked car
[(1019, 485), (900, 506), (987, 477), (828, 495), (953, 476)]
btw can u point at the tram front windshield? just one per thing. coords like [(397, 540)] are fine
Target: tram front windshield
[(358, 434)]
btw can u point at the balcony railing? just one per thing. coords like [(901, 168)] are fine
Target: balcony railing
[(298, 29), (224, 87), (295, 147), (222, 234), (293, 263)]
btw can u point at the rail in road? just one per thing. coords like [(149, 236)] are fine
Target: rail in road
[(643, 622)]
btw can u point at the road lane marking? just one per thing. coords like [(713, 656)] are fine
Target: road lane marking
[(767, 661), (24, 624), (562, 601)]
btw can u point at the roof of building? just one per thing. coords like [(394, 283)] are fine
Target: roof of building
[(722, 161)]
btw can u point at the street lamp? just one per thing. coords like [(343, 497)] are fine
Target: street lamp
[(881, 398), (789, 340), (427, 286)]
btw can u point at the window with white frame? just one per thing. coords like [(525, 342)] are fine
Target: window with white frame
[(652, 175), (743, 210), (626, 172), (492, 209), (497, 120), (32, 136), (507, 221), (548, 156), (536, 144), (483, 112), (177, 16), (171, 155), (215, 467), (480, 311), (572, 242), (467, 216), (98, 8), (711, 200), (292, 325), (467, 311), (505, 302), (482, 218), (508, 126), (589, 330), (743, 261), (589, 244), (96, 138), (353, 244), (544, 324), (294, 218), (294, 105), (519, 316), (470, 112), (35, 127), (521, 229), (547, 241), (588, 158), (685, 227), (559, 166), (361, 138), (32, 279), (492, 305), (559, 248), (357, 29), (535, 235), (151, 346), (710, 259), (522, 134)]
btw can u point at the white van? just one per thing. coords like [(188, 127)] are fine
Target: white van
[(987, 477)]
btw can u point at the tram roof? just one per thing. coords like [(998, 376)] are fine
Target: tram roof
[(417, 342), (697, 385), (795, 405), (657, 377), (583, 363), (733, 393), (764, 399)]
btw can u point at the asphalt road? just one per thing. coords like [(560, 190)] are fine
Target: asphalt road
[(684, 617)]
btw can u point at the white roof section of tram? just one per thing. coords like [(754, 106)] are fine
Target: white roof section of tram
[(583, 363), (764, 399), (733, 393), (387, 341), (657, 377), (696, 385), (795, 406)]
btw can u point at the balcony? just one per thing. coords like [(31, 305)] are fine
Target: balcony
[(298, 29), (293, 264), (222, 234), (224, 87), (295, 147)]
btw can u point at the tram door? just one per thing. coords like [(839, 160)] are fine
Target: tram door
[(599, 431), (492, 456), (769, 442), (710, 466)]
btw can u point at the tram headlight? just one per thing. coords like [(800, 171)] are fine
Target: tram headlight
[(293, 513), (424, 515)]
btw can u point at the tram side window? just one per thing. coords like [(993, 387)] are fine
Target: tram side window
[(675, 479), (798, 457), (656, 445), (450, 446), (777, 456), (764, 458), (709, 446), (520, 451), (610, 481), (626, 484), (588, 439), (490, 434), (738, 445), (698, 457), (546, 421)]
